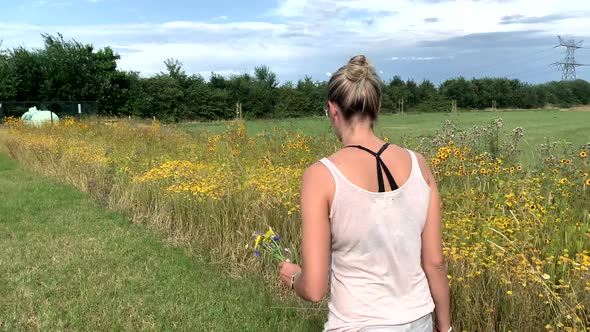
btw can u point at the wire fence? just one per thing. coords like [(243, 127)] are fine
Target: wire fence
[(77, 109)]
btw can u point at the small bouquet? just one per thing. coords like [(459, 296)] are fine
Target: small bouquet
[(269, 243)]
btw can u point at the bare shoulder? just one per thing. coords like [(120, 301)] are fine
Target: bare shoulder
[(316, 172), (424, 168), (421, 159), (317, 180)]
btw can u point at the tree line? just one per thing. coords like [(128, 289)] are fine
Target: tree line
[(67, 70)]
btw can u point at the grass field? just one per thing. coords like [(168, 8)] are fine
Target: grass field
[(69, 265), (516, 215), (539, 126)]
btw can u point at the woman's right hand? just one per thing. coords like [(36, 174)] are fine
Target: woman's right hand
[(437, 329)]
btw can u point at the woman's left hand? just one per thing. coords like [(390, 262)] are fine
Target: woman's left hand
[(288, 269)]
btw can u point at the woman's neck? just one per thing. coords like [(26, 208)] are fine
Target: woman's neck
[(359, 133)]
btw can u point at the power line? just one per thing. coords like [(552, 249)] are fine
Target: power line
[(538, 55), (484, 69), (531, 73), (513, 63), (569, 64)]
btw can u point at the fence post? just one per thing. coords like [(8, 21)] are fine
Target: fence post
[(79, 111), (454, 106), (402, 105), (239, 110)]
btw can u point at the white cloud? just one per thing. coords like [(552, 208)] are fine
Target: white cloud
[(206, 57), (404, 19), (201, 46), (223, 72), (291, 8), (221, 27), (304, 36)]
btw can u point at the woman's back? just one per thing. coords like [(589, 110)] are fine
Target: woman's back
[(371, 225), (376, 275), (359, 166)]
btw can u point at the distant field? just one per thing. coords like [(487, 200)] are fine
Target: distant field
[(539, 125)]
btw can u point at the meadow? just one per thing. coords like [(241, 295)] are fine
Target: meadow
[(68, 264), (514, 185), (540, 125)]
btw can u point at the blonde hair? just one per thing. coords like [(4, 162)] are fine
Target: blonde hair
[(356, 89)]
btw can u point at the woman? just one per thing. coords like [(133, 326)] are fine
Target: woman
[(372, 234)]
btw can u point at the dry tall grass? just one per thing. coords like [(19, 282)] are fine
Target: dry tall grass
[(516, 239)]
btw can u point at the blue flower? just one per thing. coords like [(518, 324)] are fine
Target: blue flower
[(257, 253), (276, 238)]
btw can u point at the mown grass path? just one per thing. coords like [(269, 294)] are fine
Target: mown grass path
[(67, 264)]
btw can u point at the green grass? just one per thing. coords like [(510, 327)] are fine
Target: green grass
[(67, 264), (540, 126)]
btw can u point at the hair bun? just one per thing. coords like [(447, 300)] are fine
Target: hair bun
[(357, 69)]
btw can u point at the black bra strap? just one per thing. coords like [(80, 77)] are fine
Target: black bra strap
[(380, 167)]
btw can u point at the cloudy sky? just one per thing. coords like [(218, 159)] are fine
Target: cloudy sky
[(433, 39)]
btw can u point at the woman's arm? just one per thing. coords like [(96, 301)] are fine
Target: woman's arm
[(432, 254), (311, 281)]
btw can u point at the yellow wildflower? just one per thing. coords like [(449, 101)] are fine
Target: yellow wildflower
[(269, 235)]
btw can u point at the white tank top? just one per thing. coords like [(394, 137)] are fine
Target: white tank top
[(376, 276)]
